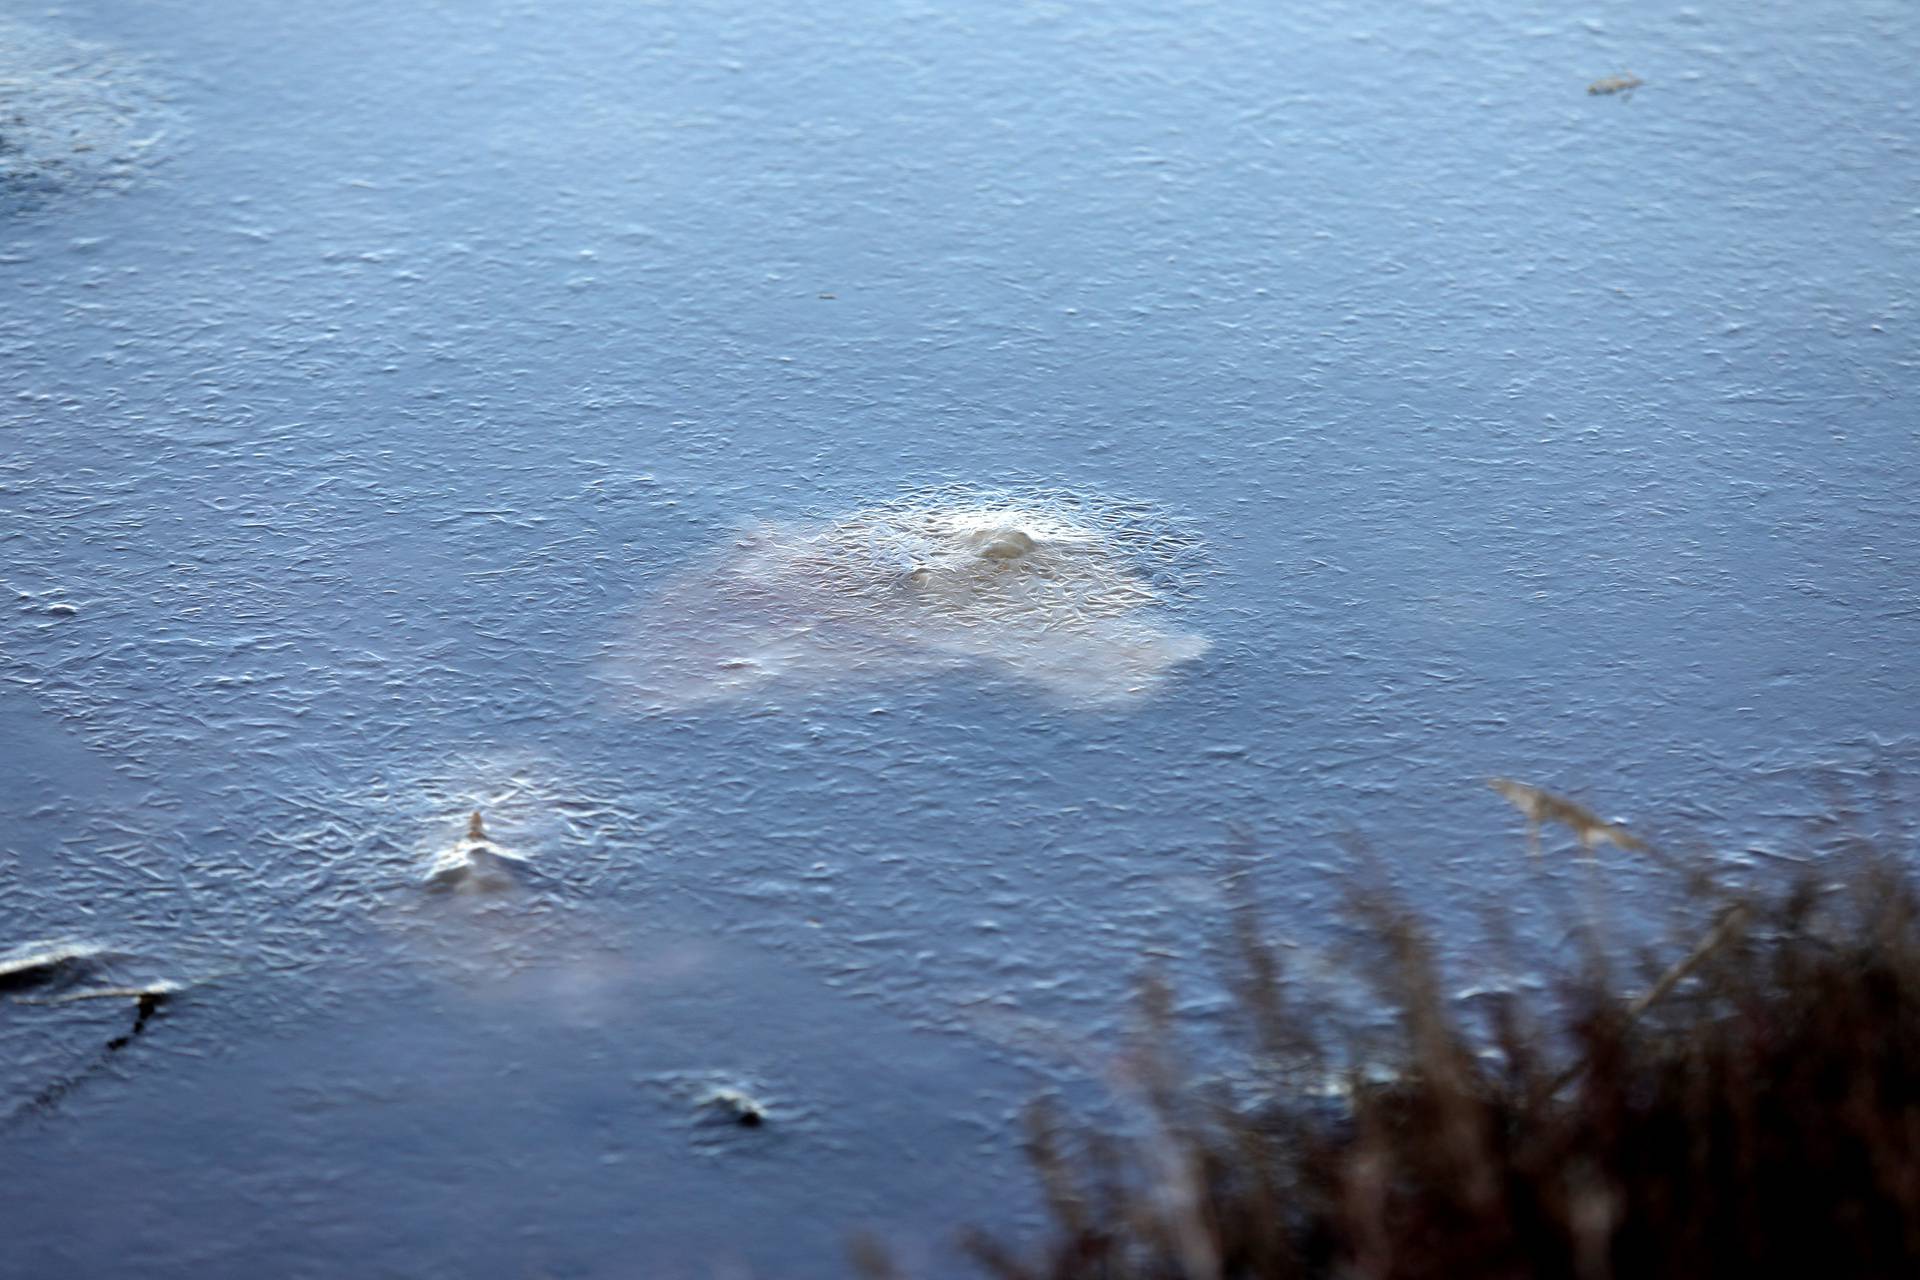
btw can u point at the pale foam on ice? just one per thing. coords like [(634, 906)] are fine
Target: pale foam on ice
[(1068, 594)]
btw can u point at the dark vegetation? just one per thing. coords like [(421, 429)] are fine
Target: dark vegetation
[(1742, 1101)]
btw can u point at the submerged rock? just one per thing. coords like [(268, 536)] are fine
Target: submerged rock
[(38, 966)]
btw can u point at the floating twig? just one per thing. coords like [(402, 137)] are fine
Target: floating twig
[(1625, 83)]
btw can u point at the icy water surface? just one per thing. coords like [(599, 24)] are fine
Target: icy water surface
[(861, 501)]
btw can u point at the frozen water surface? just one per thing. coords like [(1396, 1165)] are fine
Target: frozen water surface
[(860, 501)]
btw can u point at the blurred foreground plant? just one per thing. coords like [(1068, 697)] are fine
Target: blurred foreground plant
[(1752, 1110)]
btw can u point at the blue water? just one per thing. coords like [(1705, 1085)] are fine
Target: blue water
[(354, 419)]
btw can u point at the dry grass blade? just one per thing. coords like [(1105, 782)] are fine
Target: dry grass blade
[(1730, 923), (1539, 807)]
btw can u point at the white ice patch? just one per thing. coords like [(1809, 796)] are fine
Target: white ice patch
[(1068, 594)]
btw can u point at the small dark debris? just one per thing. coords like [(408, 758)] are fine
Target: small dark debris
[(148, 1004)]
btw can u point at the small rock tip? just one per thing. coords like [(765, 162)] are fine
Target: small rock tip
[(1003, 543)]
